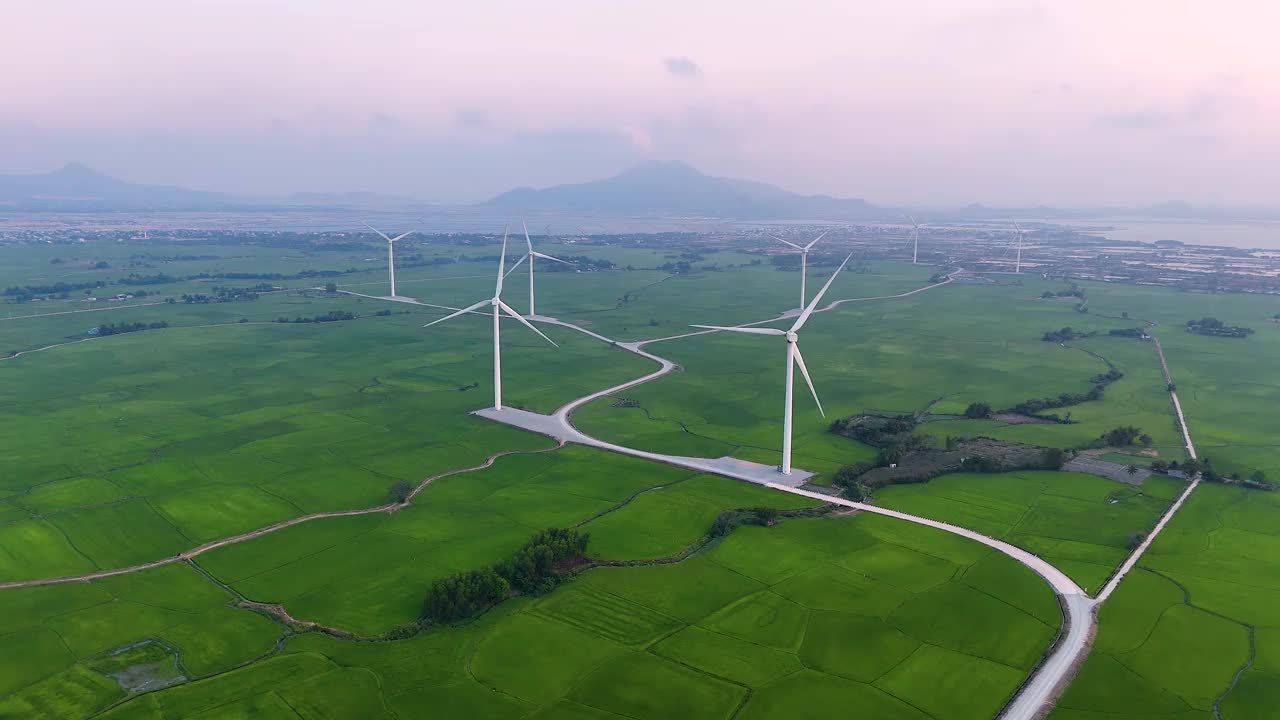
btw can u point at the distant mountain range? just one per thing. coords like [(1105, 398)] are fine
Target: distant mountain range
[(76, 188), (670, 190), (674, 188)]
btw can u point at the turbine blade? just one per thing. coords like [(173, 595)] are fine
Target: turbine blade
[(751, 330), (527, 241), (401, 236), (805, 372), (545, 256), (463, 311), (526, 323), (804, 316), (384, 235), (516, 265), (785, 242), (815, 240), (502, 264)]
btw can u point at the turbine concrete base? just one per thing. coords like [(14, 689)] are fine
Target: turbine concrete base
[(559, 428)]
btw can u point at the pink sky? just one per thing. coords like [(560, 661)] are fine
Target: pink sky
[(929, 102)]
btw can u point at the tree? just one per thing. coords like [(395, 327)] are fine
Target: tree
[(1053, 458), (1132, 469), (977, 411), (331, 288), (1146, 440), (1120, 436), (1191, 468), (1136, 539), (1258, 476), (1159, 466), (400, 492)]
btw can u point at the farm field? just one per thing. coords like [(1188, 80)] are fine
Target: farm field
[(1229, 387), (715, 631), (186, 435), (1083, 524), (938, 350), (131, 448), (1196, 627)]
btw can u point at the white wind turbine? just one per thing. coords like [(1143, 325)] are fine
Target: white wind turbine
[(794, 359), (804, 259), (391, 255), (529, 256), (499, 307), (1018, 267), (915, 251)]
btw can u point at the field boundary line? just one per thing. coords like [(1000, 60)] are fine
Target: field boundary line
[(187, 555)]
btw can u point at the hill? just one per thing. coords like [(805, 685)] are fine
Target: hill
[(76, 187), (674, 188)]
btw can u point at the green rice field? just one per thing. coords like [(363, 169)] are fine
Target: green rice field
[(128, 449)]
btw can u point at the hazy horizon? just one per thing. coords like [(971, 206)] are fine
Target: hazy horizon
[(941, 103)]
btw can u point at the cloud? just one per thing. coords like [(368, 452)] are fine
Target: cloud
[(1135, 120), (682, 67), (473, 119), (383, 122)]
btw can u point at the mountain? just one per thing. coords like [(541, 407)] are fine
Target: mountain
[(674, 188), (75, 188)]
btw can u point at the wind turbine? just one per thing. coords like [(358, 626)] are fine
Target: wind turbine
[(794, 359), (391, 255), (530, 256), (915, 251), (1018, 267), (499, 307), (804, 259)]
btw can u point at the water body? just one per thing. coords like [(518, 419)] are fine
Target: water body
[(1247, 235)]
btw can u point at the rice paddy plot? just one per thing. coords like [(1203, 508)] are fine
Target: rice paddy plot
[(1175, 633), (1084, 524)]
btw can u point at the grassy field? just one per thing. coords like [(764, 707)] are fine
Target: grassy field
[(1083, 524), (170, 438), (1203, 605), (939, 350), (853, 610), (134, 447)]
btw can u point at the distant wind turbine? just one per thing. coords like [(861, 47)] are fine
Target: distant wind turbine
[(1018, 267), (499, 307), (794, 359), (391, 255), (915, 251), (530, 255), (804, 260)]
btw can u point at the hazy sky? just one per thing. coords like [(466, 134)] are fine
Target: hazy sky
[(923, 102)]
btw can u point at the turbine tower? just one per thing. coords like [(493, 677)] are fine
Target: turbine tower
[(531, 255), (915, 251), (1018, 267), (499, 307), (804, 260), (391, 255), (794, 359)]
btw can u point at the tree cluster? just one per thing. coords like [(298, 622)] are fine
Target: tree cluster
[(1216, 328), (730, 519), (122, 328), (978, 411), (1065, 334), (331, 316), (1128, 332), (1037, 406), (534, 569), (1121, 436)]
